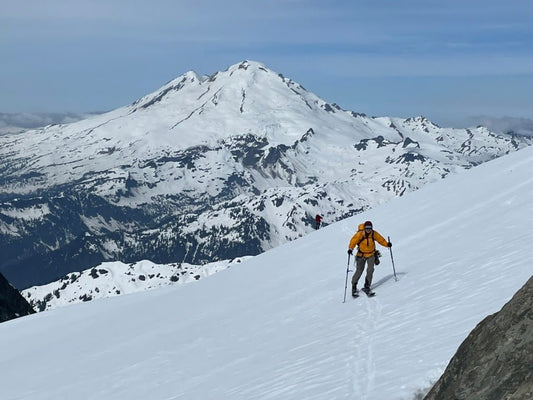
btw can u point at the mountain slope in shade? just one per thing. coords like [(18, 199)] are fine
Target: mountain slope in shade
[(275, 326), (210, 168)]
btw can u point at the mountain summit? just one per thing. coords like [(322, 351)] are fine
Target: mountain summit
[(210, 168)]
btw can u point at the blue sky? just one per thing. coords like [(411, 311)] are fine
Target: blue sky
[(447, 60)]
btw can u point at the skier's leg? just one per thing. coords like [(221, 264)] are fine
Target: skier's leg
[(369, 271), (360, 266)]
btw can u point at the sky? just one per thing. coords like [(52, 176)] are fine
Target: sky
[(452, 61), (276, 327)]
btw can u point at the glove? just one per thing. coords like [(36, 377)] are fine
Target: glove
[(389, 244), (350, 251)]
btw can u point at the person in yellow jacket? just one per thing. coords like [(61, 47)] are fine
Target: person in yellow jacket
[(365, 238)]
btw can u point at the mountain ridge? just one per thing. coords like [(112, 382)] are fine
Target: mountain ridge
[(111, 279)]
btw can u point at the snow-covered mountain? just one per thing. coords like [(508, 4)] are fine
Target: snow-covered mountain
[(210, 168), (275, 326), (116, 278)]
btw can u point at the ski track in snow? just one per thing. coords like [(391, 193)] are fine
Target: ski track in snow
[(364, 365)]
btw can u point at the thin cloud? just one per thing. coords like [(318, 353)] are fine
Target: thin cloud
[(36, 120), (104, 54), (520, 126)]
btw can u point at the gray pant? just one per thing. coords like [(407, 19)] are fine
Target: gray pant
[(360, 266)]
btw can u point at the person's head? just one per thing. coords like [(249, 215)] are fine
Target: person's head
[(368, 226)]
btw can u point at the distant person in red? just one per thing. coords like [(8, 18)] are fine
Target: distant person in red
[(318, 220)]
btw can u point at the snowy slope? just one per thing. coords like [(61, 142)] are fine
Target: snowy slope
[(116, 278), (275, 327)]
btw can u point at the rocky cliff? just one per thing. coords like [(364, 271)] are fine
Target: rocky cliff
[(12, 304), (495, 361)]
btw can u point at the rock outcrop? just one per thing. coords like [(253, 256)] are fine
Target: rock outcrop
[(12, 304), (495, 361)]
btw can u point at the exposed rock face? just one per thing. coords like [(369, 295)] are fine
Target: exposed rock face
[(12, 304), (495, 361)]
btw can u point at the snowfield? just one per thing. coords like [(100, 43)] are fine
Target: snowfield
[(117, 278), (275, 326)]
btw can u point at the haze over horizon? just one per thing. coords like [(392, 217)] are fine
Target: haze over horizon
[(454, 63)]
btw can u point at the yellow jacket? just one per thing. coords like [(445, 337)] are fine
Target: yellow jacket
[(367, 245)]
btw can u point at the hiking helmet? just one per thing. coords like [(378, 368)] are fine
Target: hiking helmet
[(368, 225)]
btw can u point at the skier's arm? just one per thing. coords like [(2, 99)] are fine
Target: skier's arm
[(380, 239), (355, 239)]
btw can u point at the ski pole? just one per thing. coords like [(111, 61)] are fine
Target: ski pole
[(346, 283), (392, 259)]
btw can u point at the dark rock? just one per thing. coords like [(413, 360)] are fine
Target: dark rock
[(12, 304), (495, 361)]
